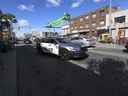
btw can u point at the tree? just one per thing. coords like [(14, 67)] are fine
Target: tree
[(8, 17)]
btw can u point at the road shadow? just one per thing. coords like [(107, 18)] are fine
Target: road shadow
[(49, 55)]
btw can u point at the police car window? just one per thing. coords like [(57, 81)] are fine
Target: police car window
[(51, 41), (62, 40), (75, 38), (43, 40), (48, 41)]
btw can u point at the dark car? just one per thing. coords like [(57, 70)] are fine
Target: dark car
[(3, 47), (126, 43)]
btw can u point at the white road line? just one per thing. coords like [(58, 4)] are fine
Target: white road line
[(81, 64), (19, 45)]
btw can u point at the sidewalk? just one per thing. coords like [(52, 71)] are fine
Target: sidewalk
[(109, 50), (111, 47)]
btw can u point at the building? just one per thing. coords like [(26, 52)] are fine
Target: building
[(65, 29), (92, 23), (44, 34), (119, 25)]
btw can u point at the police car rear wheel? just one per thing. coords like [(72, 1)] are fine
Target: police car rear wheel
[(39, 50)]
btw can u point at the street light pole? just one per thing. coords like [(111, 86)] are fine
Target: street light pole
[(110, 15), (110, 18)]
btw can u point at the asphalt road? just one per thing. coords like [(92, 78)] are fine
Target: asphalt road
[(46, 75), (8, 73)]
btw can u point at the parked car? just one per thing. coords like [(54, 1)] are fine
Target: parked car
[(27, 41), (87, 41), (61, 47), (3, 47), (126, 43)]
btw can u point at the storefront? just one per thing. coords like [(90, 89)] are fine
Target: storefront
[(119, 26)]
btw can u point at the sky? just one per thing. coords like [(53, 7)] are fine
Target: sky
[(34, 14)]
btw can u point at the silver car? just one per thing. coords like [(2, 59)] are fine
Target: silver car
[(86, 41), (61, 47)]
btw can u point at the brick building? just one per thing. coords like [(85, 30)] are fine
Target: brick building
[(92, 23)]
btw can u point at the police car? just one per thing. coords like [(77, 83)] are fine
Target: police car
[(61, 47)]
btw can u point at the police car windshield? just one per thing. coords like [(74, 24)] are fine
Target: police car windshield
[(61, 40)]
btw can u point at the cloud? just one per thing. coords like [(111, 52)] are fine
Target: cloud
[(54, 3), (77, 3), (23, 23), (24, 7), (97, 1), (22, 27)]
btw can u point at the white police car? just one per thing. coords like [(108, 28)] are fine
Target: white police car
[(61, 47)]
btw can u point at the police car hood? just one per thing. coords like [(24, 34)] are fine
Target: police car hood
[(70, 44)]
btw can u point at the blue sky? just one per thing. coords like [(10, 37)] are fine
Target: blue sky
[(36, 13)]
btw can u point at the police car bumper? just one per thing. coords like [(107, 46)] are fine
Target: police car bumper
[(78, 54)]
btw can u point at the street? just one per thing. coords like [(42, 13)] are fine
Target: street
[(46, 75), (64, 48), (8, 74)]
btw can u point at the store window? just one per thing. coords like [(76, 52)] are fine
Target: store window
[(120, 19), (81, 26), (72, 28)]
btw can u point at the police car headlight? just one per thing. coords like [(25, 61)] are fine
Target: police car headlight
[(73, 49)]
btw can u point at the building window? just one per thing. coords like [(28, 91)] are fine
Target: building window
[(103, 14), (102, 23), (81, 26), (86, 26), (81, 19), (94, 16), (86, 17), (120, 19), (94, 24)]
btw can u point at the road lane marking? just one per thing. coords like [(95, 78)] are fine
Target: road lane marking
[(79, 63)]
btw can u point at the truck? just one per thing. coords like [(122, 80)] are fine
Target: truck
[(6, 38)]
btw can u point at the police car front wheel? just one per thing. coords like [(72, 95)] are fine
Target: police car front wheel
[(64, 54)]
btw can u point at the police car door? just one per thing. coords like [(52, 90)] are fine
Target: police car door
[(53, 47)]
